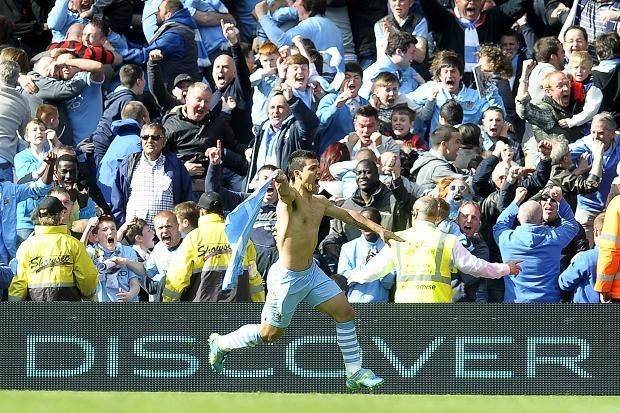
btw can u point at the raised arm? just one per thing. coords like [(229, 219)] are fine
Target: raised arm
[(213, 180), (286, 194), (243, 72), (95, 68), (156, 81)]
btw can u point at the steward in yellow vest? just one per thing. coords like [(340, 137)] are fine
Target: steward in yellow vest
[(199, 265), (425, 262)]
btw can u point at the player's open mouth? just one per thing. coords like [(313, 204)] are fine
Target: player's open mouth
[(166, 238)]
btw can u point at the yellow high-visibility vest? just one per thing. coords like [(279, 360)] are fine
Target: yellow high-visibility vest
[(423, 265)]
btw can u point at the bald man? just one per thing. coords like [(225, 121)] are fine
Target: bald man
[(231, 78), (426, 260), (540, 247)]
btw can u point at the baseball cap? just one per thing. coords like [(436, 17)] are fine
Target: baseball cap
[(183, 77), (210, 201), (51, 205)]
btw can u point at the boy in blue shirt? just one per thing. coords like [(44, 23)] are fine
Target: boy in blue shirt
[(354, 256), (263, 81), (336, 111), (116, 283)]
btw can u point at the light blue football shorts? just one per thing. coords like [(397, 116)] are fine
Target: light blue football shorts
[(286, 289)]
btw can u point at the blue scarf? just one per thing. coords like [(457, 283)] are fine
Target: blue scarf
[(472, 44)]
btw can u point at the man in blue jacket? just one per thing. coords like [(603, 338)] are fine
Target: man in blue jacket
[(150, 181), (125, 141), (538, 245), (336, 111), (175, 38), (132, 86), (580, 276), (603, 129), (291, 126)]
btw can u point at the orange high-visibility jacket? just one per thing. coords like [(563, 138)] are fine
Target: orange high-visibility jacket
[(608, 265)]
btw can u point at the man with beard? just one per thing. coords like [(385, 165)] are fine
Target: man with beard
[(175, 38), (554, 106), (296, 276), (394, 204)]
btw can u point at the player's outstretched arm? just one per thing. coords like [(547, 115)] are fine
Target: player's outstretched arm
[(355, 218)]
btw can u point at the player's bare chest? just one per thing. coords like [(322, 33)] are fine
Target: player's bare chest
[(306, 214)]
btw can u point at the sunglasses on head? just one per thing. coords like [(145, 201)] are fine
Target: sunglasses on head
[(460, 187), (153, 137), (547, 197)]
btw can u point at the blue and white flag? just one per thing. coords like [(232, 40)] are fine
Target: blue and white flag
[(239, 224)]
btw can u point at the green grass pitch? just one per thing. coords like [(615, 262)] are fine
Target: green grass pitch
[(115, 402)]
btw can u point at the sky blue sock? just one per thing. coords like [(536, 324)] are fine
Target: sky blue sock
[(349, 346)]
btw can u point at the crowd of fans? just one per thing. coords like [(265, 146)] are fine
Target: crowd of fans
[(129, 129)]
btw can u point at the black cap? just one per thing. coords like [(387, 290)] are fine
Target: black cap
[(51, 205), (183, 77), (211, 201)]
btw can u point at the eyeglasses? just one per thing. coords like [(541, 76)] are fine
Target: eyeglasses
[(153, 137), (460, 187), (546, 198)]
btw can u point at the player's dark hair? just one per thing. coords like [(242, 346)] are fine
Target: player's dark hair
[(297, 160)]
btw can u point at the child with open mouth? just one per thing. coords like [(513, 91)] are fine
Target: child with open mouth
[(116, 283)]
